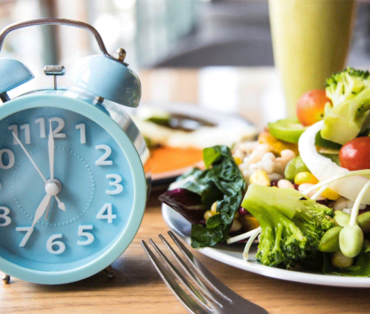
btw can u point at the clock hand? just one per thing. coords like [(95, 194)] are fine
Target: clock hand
[(41, 209), (29, 157), (47, 211), (60, 204), (51, 152)]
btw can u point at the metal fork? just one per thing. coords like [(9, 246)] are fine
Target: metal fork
[(210, 296)]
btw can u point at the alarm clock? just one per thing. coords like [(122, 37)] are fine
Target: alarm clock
[(72, 184)]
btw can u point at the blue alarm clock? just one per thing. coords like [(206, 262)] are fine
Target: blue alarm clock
[(72, 185)]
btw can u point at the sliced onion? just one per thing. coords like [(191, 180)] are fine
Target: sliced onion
[(323, 168)]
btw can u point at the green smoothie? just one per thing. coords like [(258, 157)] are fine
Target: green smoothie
[(310, 41)]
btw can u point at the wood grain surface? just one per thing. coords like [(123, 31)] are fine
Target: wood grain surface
[(137, 288)]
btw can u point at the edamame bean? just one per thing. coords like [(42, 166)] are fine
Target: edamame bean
[(296, 165), (351, 240), (330, 241), (340, 261), (364, 222)]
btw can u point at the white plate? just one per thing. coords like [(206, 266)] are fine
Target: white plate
[(232, 255), (236, 128)]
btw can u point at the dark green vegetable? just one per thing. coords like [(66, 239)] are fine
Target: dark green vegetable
[(292, 226), (224, 183)]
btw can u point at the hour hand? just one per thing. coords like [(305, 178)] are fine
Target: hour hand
[(41, 209)]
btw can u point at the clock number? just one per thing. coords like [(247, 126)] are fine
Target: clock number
[(82, 233), (14, 129), (116, 183), (61, 125), (61, 247), (4, 216), (27, 133), (109, 215), (28, 230), (11, 158), (102, 161), (42, 127), (56, 131), (82, 128)]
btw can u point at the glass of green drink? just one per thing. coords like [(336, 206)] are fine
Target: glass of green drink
[(310, 42)]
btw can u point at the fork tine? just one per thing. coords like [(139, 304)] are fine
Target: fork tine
[(181, 278), (188, 270), (208, 277), (185, 299)]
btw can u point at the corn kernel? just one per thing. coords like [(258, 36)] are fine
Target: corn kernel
[(330, 194), (207, 215), (238, 161), (214, 209), (249, 223), (236, 215), (260, 177), (305, 177)]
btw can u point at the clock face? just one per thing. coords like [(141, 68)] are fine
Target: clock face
[(77, 215)]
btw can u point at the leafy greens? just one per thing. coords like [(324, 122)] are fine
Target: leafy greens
[(223, 182)]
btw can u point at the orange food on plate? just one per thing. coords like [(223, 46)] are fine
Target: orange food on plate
[(311, 106), (165, 159)]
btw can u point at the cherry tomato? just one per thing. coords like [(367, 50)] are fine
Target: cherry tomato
[(355, 155), (311, 105)]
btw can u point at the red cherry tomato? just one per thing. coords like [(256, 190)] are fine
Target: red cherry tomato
[(355, 155)]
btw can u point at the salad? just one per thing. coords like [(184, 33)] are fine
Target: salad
[(301, 191)]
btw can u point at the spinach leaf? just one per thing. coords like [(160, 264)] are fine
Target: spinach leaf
[(222, 182)]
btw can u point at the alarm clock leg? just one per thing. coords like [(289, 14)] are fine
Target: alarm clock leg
[(109, 272), (6, 278)]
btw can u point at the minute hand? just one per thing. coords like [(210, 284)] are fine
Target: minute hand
[(51, 153), (60, 204)]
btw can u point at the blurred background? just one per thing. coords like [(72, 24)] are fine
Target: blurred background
[(166, 35), (158, 33)]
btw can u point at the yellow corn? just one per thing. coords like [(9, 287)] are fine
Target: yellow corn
[(249, 223), (330, 194), (214, 209), (260, 177), (305, 177), (207, 215), (238, 161)]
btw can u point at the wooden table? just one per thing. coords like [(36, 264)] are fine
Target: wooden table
[(137, 288)]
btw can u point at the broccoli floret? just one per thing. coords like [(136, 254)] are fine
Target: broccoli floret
[(346, 85), (292, 226), (349, 92)]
